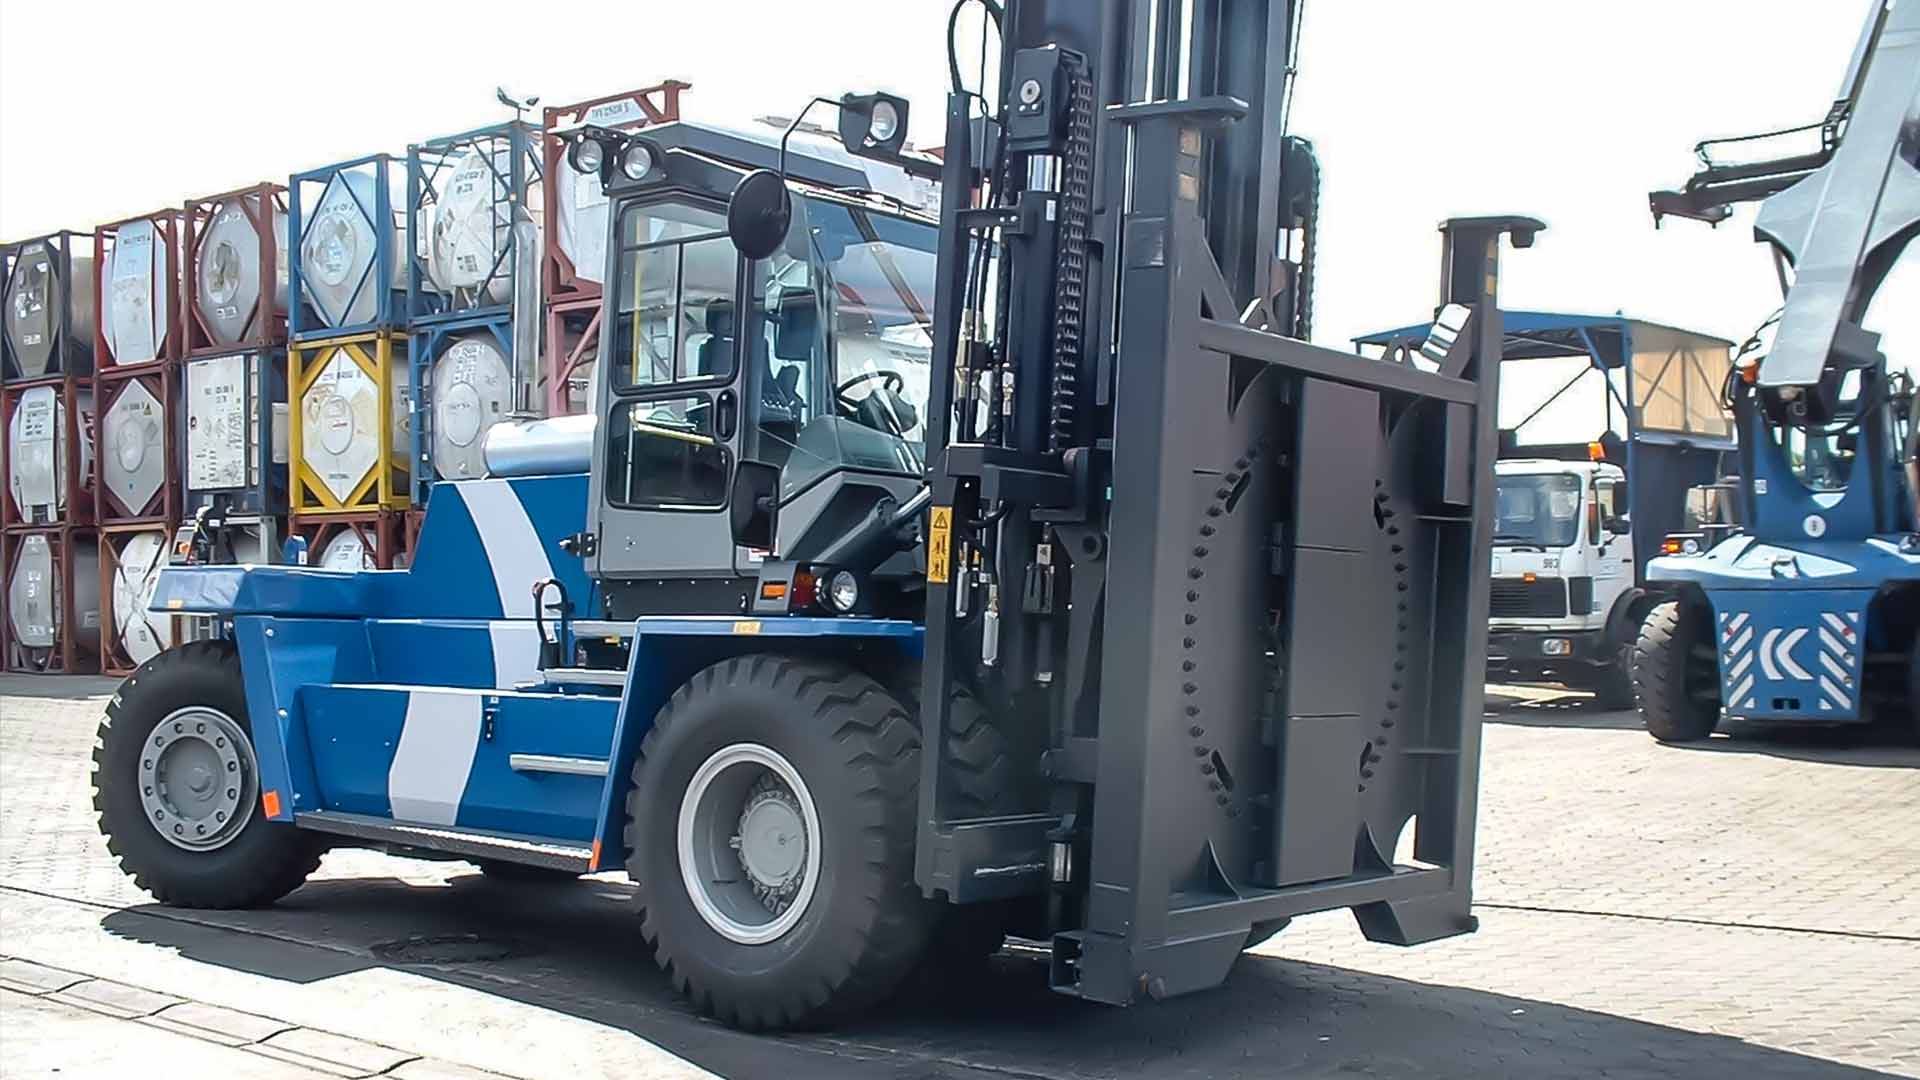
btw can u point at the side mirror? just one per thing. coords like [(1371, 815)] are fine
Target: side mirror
[(1621, 525), (754, 507), (759, 213)]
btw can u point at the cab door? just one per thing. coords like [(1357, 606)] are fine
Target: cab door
[(667, 395)]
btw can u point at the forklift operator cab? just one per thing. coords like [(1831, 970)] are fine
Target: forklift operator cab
[(815, 360)]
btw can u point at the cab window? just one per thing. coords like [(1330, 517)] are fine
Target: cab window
[(662, 453), (673, 317)]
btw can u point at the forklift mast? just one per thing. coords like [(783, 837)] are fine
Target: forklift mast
[(1227, 586)]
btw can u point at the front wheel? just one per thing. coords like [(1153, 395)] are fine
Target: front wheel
[(771, 829), (177, 787), (1676, 684)]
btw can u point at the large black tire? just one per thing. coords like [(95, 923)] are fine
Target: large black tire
[(1666, 675), (967, 934), (857, 751), (262, 861)]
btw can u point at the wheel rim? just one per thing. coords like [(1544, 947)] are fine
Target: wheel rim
[(198, 778), (749, 844)]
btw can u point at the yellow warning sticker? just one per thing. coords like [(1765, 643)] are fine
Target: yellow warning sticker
[(746, 626), (939, 545)]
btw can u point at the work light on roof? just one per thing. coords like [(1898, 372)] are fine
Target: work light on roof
[(639, 160), (587, 155), (873, 125)]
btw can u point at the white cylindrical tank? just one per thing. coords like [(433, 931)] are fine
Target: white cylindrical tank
[(345, 550), (35, 296), (34, 597), (469, 228), (339, 250), (340, 424), (141, 633), (134, 294), (472, 391), (37, 452), (228, 277), (133, 434)]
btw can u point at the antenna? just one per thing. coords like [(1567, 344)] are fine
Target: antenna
[(518, 106)]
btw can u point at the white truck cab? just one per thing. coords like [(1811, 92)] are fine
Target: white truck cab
[(1563, 569)]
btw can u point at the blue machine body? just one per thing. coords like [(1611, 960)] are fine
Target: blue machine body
[(416, 697), (1794, 594)]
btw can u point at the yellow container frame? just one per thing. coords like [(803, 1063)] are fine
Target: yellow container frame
[(382, 356)]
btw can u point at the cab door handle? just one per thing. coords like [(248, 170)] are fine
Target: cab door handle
[(726, 414)]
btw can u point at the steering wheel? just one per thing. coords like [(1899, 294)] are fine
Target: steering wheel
[(893, 383)]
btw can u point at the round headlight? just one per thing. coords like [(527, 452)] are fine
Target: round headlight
[(843, 591), (884, 122), (587, 156), (1690, 546), (637, 161)]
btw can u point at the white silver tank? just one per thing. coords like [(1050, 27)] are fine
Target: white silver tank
[(133, 442), (340, 423), (35, 295), (37, 453), (339, 249), (140, 633), (344, 550), (34, 597), (472, 391), (469, 229), (134, 293), (228, 277)]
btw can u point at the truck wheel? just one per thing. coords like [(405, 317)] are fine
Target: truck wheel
[(1613, 684), (177, 787), (771, 829), (1673, 702), (964, 935)]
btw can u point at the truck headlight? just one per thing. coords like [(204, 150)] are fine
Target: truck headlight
[(586, 155), (843, 591), (1556, 646), (637, 161)]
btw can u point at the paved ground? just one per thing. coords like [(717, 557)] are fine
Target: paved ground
[(1746, 909)]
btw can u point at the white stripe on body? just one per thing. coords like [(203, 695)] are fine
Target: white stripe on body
[(514, 553), (435, 756), (516, 653)]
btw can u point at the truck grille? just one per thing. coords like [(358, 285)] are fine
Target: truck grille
[(1516, 598)]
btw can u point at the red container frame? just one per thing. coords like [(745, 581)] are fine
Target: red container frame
[(572, 339), (79, 486), (658, 104), (113, 659), (166, 226), (385, 532), (257, 201), (164, 507), (69, 655)]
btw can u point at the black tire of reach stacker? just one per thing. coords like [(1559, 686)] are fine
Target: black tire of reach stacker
[(264, 861), (1613, 684), (857, 750), (1662, 660)]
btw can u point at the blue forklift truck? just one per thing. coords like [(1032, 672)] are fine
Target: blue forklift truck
[(918, 580)]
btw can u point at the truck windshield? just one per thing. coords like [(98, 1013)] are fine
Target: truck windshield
[(1541, 509), (848, 342)]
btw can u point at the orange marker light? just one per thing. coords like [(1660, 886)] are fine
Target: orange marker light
[(1596, 452), (593, 863), (1669, 546), (270, 802), (773, 590), (1529, 577)]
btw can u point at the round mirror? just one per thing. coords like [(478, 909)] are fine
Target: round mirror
[(759, 213)]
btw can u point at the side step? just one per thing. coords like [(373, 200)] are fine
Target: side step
[(601, 628), (578, 676), (465, 843)]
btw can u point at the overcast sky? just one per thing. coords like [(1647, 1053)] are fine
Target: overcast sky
[(1567, 111)]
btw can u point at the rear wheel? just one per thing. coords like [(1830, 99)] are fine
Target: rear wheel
[(177, 787), (1676, 685), (771, 826), (1613, 684)]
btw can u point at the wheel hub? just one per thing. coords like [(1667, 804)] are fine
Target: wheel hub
[(772, 843), (198, 778)]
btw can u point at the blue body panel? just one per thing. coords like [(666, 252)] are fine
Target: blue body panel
[(1793, 622)]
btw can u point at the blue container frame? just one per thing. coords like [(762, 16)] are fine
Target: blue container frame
[(267, 495), (429, 164), (425, 347), (390, 309)]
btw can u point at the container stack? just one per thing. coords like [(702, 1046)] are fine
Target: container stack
[(137, 339), (574, 249), (347, 372), (48, 546), (465, 195)]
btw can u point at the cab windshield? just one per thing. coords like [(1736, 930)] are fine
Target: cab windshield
[(1542, 509), (847, 311)]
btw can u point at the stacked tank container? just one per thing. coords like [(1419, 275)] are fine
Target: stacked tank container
[(574, 245), (465, 194), (49, 551), (348, 387), (138, 333)]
